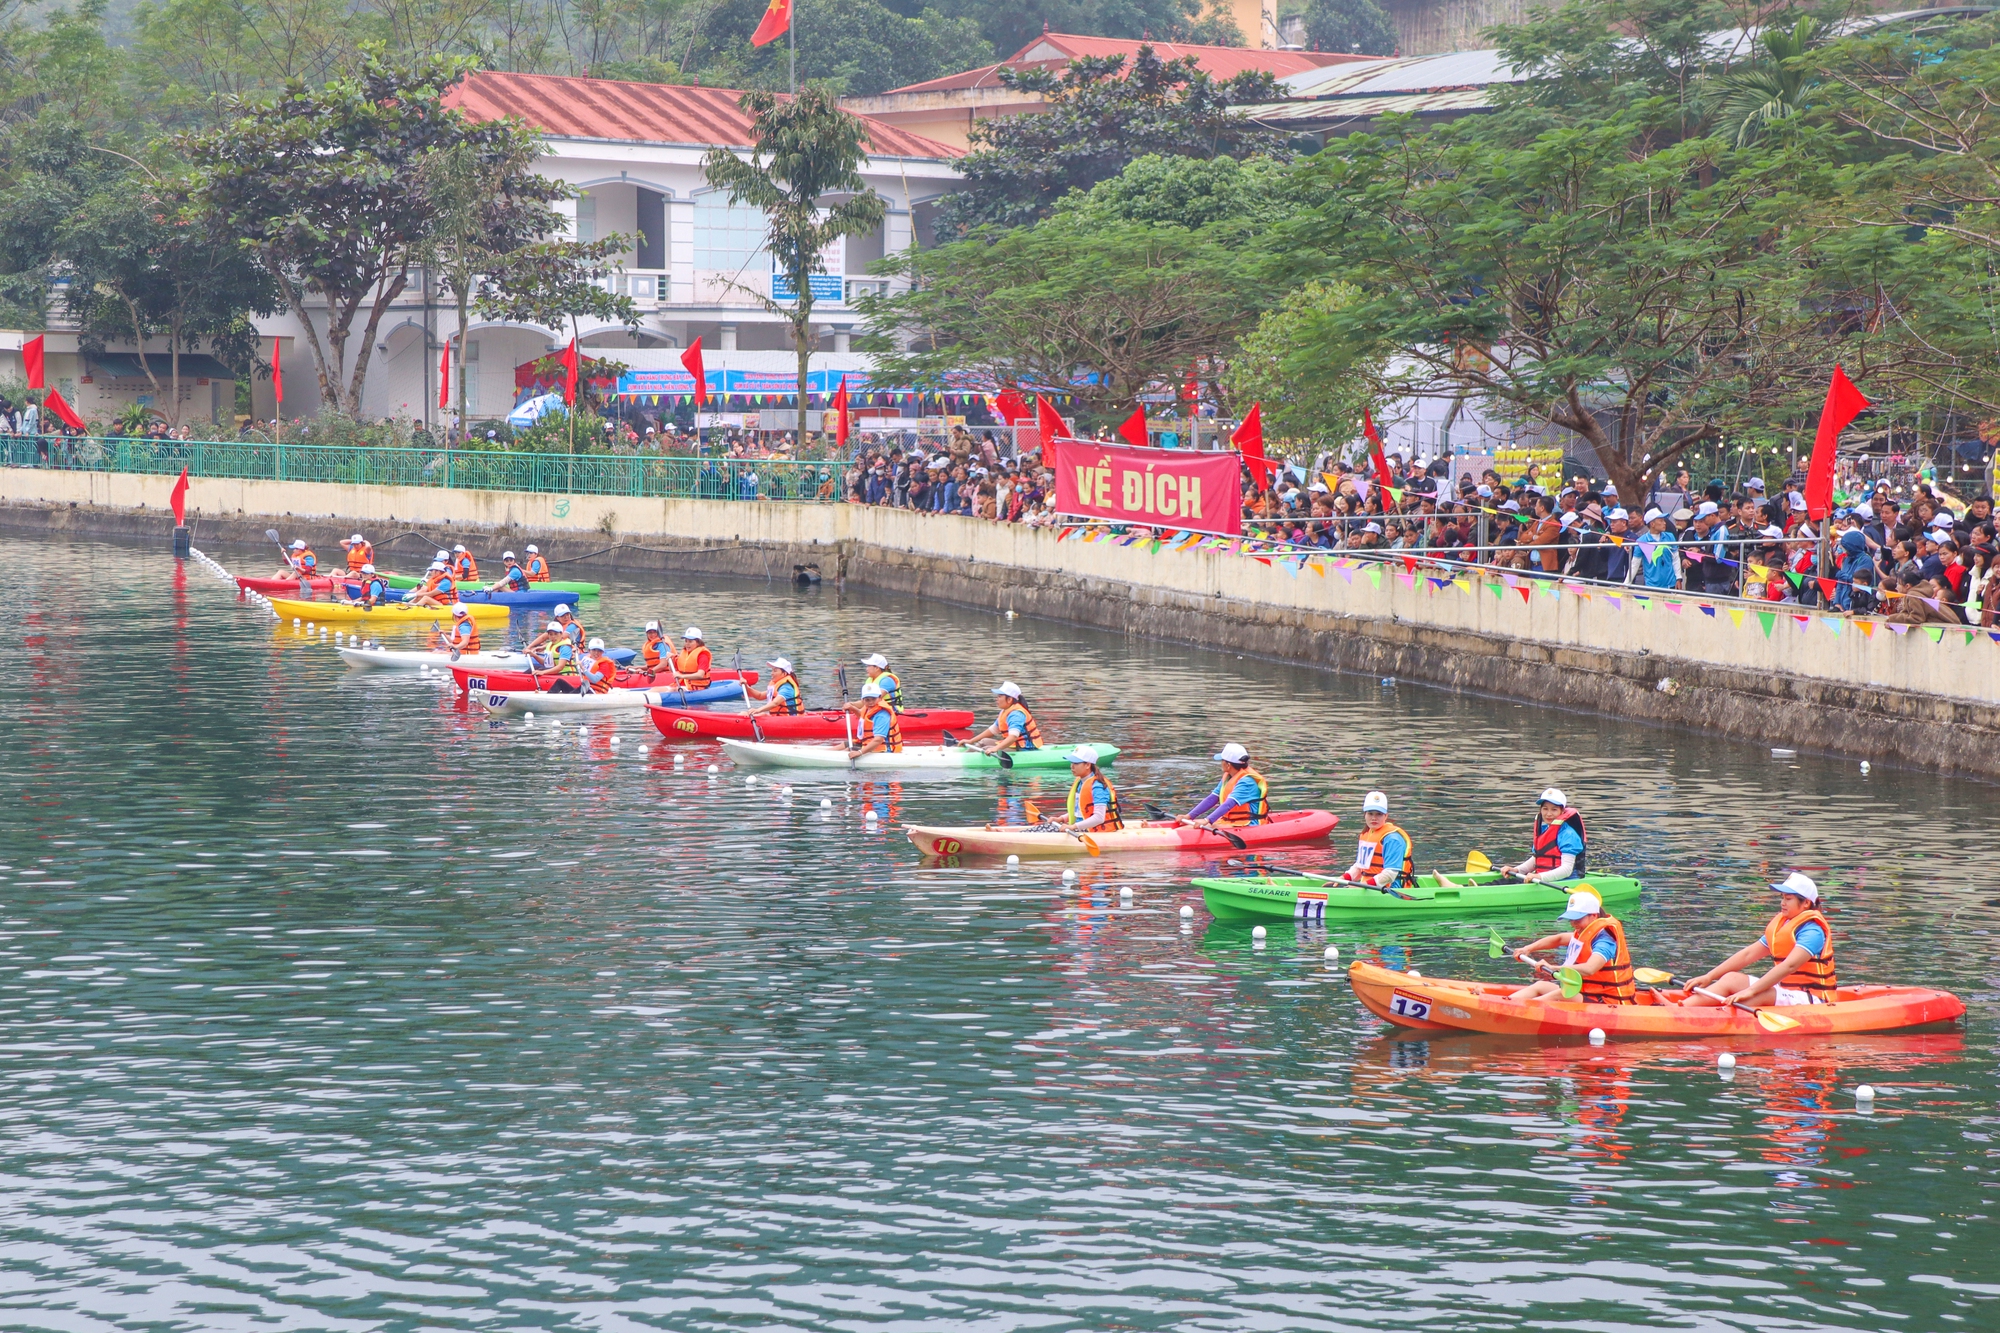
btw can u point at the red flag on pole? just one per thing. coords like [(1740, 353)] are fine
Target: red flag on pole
[(1249, 441), (1049, 421), (1375, 449), (178, 498), (570, 368), (1012, 407), (31, 360), (444, 375), (1133, 429), (58, 407), (777, 18), (277, 379), (840, 404), (1844, 402), (691, 362)]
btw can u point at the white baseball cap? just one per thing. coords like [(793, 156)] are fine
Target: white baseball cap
[(1800, 885), (597, 645), (459, 549), (1754, 484), (562, 609), (355, 540), (1375, 800), (1581, 904), (1232, 753), (533, 550), (1773, 531), (1652, 514), (368, 569), (299, 545), (871, 691), (785, 664), (437, 564), (1566, 520), (876, 660), (1008, 688), (1375, 528), (691, 632), (506, 555), (1617, 513), (1796, 501), (1706, 509), (1553, 796), (652, 625), (1083, 754), (443, 554), (460, 610)]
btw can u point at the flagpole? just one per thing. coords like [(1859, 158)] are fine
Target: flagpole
[(792, 45)]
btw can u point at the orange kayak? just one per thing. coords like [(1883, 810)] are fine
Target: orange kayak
[(1438, 1005)]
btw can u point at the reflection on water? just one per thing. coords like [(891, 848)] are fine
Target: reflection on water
[(330, 1004)]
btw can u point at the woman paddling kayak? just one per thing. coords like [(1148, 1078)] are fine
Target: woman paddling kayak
[(1242, 797)]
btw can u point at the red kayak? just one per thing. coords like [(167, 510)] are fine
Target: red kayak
[(286, 587), (686, 724), (514, 681)]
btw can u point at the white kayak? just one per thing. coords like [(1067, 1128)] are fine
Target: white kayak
[(388, 659), (548, 701), (775, 755)]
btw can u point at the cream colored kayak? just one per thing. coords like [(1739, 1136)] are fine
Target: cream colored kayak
[(774, 755), (547, 701), (1288, 827), (388, 659)]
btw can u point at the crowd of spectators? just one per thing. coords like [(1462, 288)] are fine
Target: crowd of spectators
[(965, 474)]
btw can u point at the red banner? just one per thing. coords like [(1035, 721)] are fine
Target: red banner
[(1162, 488)]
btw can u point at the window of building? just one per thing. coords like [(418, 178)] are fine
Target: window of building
[(586, 218), (728, 238)]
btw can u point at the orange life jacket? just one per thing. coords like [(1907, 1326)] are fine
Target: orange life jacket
[(693, 664), (1546, 855), (1815, 975), (1369, 855), (538, 569), (305, 561), (464, 635), (1612, 983), (798, 703), (1257, 811), (1031, 732), (649, 654), (1082, 802), (893, 742), (464, 568), (357, 556), (599, 674)]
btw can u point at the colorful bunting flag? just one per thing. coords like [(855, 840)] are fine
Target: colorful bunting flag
[(1766, 618)]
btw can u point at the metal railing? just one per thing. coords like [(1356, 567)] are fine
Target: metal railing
[(454, 469)]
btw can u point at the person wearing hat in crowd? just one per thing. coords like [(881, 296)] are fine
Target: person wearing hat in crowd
[(463, 567), (1385, 855), (594, 672), (359, 553), (538, 568), (513, 578), (692, 663), (1798, 938), (784, 695), (462, 637), (1241, 798), (879, 729), (1092, 806), (300, 562), (1559, 849), (1594, 945), (1657, 557), (438, 590), (1014, 729)]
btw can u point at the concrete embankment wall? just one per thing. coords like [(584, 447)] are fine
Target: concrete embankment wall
[(1897, 697)]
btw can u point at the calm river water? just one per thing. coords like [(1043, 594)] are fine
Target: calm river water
[(329, 1005)]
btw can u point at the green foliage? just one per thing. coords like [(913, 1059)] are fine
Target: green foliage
[(1098, 118), (1748, 100), (1350, 25), (1305, 396), (1186, 192)]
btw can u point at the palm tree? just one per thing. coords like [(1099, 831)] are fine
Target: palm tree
[(1747, 101)]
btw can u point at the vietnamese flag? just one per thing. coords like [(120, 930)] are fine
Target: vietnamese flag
[(840, 403), (777, 19), (570, 372), (1133, 429), (1012, 407), (1049, 421), (58, 407), (178, 498), (1375, 450), (691, 362), (277, 379), (1844, 402), (1249, 440), (32, 361), (444, 376)]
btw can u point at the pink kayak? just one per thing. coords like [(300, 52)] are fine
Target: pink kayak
[(520, 681), (1287, 826), (286, 587)]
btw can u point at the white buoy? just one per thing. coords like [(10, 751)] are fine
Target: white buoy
[(556, 722), (749, 779), (642, 752), (1187, 913), (1777, 753), (1413, 972), (1069, 877), (295, 620), (784, 791), (1864, 1093), (680, 761), (309, 627), (1258, 932), (868, 815), (1332, 953), (1013, 861), (1864, 765), (826, 803), (1125, 891), (529, 715), (614, 740), (1597, 1036), (713, 769), (1725, 1061)]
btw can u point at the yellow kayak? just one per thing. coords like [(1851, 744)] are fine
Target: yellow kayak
[(396, 613)]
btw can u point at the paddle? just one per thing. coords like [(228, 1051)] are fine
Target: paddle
[(1178, 822), (756, 732), (847, 718), (1333, 879), (1089, 843), (1768, 1019), (1476, 863)]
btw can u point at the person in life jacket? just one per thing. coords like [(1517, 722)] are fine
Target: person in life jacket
[(538, 568), (463, 637), (566, 623), (1594, 945), (359, 554), (1385, 855), (541, 648), (300, 562), (512, 579), (463, 567), (784, 695), (437, 590), (1559, 849), (892, 686), (1092, 806), (374, 589), (1014, 729), (1242, 797), (1800, 941), (692, 662), (652, 649), (879, 729), (595, 673)]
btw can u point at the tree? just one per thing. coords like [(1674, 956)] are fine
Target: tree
[(551, 283), (324, 187), (1304, 396), (1096, 309), (1359, 26), (1097, 119), (863, 47), (1746, 101), (805, 151)]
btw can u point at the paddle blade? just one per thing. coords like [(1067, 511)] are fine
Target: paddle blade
[(1034, 812), (1090, 845), (1772, 1021), (1006, 760), (1477, 864), (272, 533), (1235, 841), (1495, 946), (1651, 976), (1572, 982)]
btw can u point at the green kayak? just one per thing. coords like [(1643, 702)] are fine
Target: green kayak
[(579, 589), (1309, 898)]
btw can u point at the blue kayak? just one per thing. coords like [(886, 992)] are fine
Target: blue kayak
[(534, 599), (716, 693)]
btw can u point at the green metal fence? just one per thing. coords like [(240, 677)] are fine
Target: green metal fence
[(458, 469)]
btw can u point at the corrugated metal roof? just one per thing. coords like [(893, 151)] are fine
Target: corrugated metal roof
[(1408, 74), (569, 108), (1329, 111), (1059, 48)]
